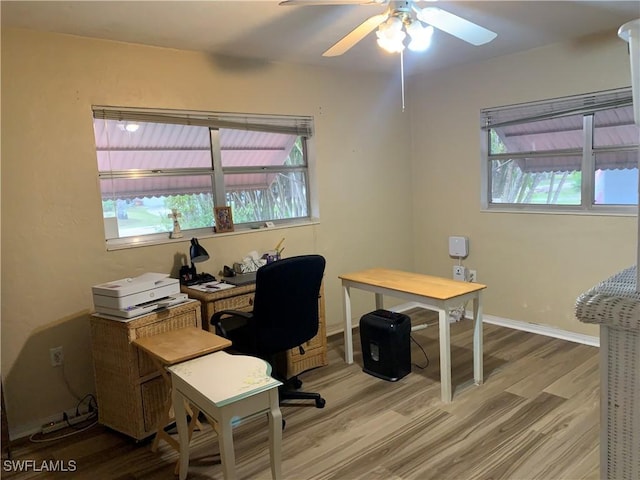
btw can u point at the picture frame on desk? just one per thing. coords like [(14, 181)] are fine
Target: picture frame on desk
[(224, 219)]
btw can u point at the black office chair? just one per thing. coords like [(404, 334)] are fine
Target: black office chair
[(284, 316)]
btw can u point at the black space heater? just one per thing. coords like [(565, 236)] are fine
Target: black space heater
[(386, 348)]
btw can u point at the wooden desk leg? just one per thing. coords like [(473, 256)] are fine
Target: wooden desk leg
[(348, 334), (225, 441), (165, 418), (478, 367), (161, 434), (183, 433), (275, 434), (193, 424), (445, 355)]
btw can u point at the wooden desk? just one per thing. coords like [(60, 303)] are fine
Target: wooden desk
[(173, 347), (434, 293), (227, 388), (241, 298)]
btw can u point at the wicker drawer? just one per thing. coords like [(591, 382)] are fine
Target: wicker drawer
[(239, 302), (312, 359), (154, 395), (315, 342), (315, 354)]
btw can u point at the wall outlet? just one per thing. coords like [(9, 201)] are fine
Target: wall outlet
[(473, 276), (460, 273), (57, 356)]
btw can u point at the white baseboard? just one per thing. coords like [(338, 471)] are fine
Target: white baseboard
[(406, 306), (545, 330)]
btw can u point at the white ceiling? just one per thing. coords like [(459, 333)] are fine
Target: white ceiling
[(263, 30)]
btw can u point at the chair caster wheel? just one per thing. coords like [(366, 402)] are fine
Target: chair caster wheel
[(284, 423), (320, 403), (296, 383)]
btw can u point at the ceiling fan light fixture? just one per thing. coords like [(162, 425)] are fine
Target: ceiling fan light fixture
[(420, 36), (391, 46), (391, 36)]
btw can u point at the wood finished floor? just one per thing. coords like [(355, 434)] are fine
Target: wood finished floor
[(536, 417)]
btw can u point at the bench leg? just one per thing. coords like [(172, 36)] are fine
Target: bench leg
[(225, 440), (275, 435)]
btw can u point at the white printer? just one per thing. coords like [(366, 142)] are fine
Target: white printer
[(131, 297)]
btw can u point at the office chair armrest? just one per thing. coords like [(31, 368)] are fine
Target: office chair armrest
[(233, 318)]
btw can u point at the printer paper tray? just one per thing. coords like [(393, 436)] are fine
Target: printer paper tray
[(127, 314), (143, 308)]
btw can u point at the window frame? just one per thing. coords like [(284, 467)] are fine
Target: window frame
[(586, 105), (302, 126)]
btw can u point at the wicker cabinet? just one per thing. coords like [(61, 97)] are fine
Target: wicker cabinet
[(130, 391), (241, 298), (614, 304)]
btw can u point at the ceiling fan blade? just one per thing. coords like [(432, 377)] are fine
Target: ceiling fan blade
[(355, 35), (331, 2), (456, 26)]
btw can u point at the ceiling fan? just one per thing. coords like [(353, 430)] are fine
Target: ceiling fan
[(401, 19)]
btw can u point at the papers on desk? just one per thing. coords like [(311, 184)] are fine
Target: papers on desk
[(212, 287)]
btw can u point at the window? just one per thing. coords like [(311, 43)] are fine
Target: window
[(150, 162), (569, 154)]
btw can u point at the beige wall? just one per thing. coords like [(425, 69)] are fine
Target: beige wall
[(390, 191), (53, 245), (535, 265)]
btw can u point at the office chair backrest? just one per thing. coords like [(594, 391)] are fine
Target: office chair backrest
[(285, 306)]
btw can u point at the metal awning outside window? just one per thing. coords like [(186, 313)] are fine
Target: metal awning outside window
[(548, 136), (611, 127), (142, 151)]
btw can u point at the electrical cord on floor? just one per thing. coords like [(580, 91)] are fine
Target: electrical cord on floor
[(92, 408), (92, 405), (33, 438), (423, 351)]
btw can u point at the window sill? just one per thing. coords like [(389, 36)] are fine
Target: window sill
[(612, 211), (187, 235)]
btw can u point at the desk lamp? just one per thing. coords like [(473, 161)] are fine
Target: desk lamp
[(198, 254)]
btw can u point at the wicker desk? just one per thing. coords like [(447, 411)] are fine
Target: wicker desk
[(241, 298), (130, 390)]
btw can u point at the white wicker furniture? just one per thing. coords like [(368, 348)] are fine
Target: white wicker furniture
[(614, 304)]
